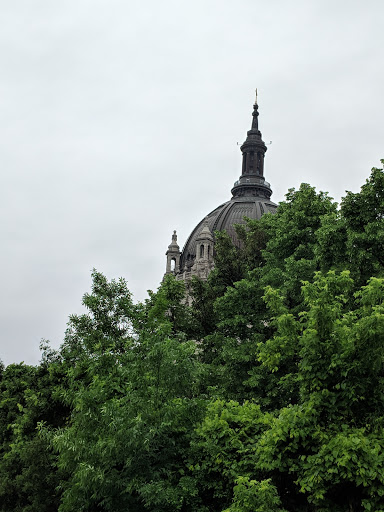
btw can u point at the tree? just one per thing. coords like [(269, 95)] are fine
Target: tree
[(353, 238), (134, 402), (363, 213), (29, 477), (265, 395), (323, 450), (224, 451), (278, 250), (331, 440)]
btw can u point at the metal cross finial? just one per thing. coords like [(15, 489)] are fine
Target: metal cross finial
[(256, 97)]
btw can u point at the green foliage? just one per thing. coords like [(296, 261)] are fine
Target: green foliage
[(224, 448), (203, 315), (353, 238), (331, 440), (254, 496), (290, 252), (229, 262), (28, 470), (277, 250), (264, 395), (134, 407), (364, 219)]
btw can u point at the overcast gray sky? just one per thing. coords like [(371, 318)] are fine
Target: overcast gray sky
[(119, 122)]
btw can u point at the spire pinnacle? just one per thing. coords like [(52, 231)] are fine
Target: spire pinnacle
[(173, 246), (252, 181), (173, 256), (205, 233)]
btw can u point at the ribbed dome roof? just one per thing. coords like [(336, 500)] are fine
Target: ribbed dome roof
[(224, 218)]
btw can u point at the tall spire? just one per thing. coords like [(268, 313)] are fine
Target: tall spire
[(255, 123), (252, 182)]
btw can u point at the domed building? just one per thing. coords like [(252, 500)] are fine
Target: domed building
[(250, 198)]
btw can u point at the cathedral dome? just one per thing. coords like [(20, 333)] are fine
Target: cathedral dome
[(224, 218), (250, 198)]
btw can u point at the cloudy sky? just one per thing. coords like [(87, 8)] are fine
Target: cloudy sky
[(119, 122)]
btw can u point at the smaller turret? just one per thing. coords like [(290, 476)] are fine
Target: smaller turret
[(173, 256), (204, 243), (204, 252)]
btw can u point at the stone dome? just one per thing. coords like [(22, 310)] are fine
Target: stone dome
[(250, 198), (224, 218)]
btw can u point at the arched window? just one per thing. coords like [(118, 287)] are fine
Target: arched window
[(173, 264), (201, 251), (208, 251)]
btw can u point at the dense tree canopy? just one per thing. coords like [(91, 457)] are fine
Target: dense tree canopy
[(265, 395)]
